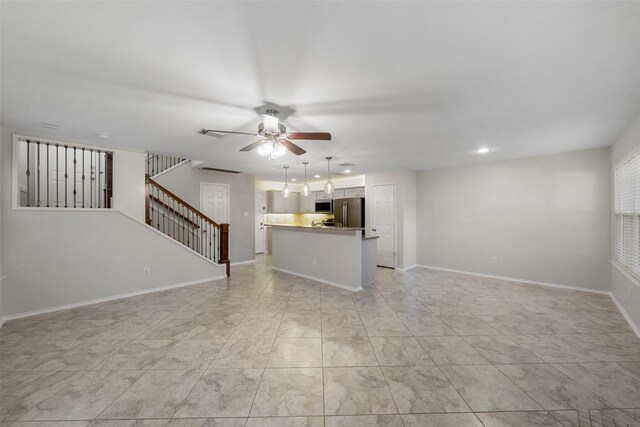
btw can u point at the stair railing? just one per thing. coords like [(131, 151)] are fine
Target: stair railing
[(176, 218), (156, 163)]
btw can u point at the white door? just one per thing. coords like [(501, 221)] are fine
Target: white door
[(383, 217), (214, 202), (261, 209)]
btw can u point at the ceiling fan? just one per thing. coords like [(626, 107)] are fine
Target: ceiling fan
[(274, 139)]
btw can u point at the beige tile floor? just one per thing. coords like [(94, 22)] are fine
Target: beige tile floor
[(421, 348)]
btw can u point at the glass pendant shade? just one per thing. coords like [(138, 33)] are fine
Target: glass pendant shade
[(285, 190), (328, 186), (305, 187)]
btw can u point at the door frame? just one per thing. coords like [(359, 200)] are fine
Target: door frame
[(228, 196), (264, 234), (395, 219)]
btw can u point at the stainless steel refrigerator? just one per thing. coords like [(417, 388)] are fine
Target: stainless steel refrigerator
[(349, 212)]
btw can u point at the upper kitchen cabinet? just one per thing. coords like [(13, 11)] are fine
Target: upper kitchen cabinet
[(278, 204), (338, 194), (321, 195), (354, 192), (308, 203)]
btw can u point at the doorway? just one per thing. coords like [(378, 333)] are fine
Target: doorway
[(214, 201), (383, 218), (261, 209)]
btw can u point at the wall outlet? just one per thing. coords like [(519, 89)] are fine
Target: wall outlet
[(314, 262), (494, 260), (146, 271), (246, 213)]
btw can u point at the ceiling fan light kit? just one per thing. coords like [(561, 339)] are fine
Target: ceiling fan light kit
[(274, 140)]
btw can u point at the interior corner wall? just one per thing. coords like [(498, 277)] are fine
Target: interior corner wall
[(405, 186), (185, 181), (129, 184), (60, 257), (626, 291), (545, 219)]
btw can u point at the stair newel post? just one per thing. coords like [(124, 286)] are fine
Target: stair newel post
[(147, 200), (224, 246)]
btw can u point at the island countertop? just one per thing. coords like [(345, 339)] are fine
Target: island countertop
[(323, 229)]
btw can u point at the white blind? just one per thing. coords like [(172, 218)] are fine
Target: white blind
[(626, 210)]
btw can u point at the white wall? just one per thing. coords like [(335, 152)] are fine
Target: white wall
[(626, 291), (546, 218), (185, 181), (128, 184), (52, 258), (405, 185)]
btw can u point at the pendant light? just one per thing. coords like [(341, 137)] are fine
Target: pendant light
[(285, 190), (305, 187), (328, 186)]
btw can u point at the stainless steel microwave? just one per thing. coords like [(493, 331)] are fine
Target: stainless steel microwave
[(324, 206)]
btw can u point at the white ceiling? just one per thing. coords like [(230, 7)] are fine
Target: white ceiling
[(399, 84)]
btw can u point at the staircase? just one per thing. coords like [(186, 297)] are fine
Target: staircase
[(155, 164), (171, 215)]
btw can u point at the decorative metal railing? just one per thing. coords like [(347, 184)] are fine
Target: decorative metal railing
[(61, 175), (179, 220), (156, 163)]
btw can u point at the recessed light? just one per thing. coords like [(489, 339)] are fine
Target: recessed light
[(316, 176), (347, 171), (293, 179), (483, 150), (102, 135)]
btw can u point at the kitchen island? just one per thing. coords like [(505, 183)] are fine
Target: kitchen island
[(337, 256)]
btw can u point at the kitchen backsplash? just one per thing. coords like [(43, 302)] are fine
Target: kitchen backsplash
[(296, 219)]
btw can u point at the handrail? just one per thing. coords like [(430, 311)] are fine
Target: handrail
[(173, 211), (150, 180), (184, 223)]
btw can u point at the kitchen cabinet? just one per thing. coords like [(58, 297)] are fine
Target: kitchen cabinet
[(338, 194), (308, 203), (321, 195), (354, 192), (278, 204)]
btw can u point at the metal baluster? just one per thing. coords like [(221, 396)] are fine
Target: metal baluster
[(57, 177), (28, 173), (48, 179), (66, 175), (91, 178), (38, 173), (99, 183), (164, 211), (75, 190), (83, 177)]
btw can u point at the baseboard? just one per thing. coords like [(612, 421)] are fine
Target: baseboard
[(407, 268), (515, 279), (328, 282), (251, 261), (105, 299), (625, 315)]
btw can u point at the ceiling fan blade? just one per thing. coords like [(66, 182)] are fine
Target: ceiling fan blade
[(318, 136), (252, 146), (214, 131), (292, 147)]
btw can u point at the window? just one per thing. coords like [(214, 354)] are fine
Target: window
[(626, 210)]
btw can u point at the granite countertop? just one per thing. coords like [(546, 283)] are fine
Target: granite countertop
[(316, 227), (323, 228)]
